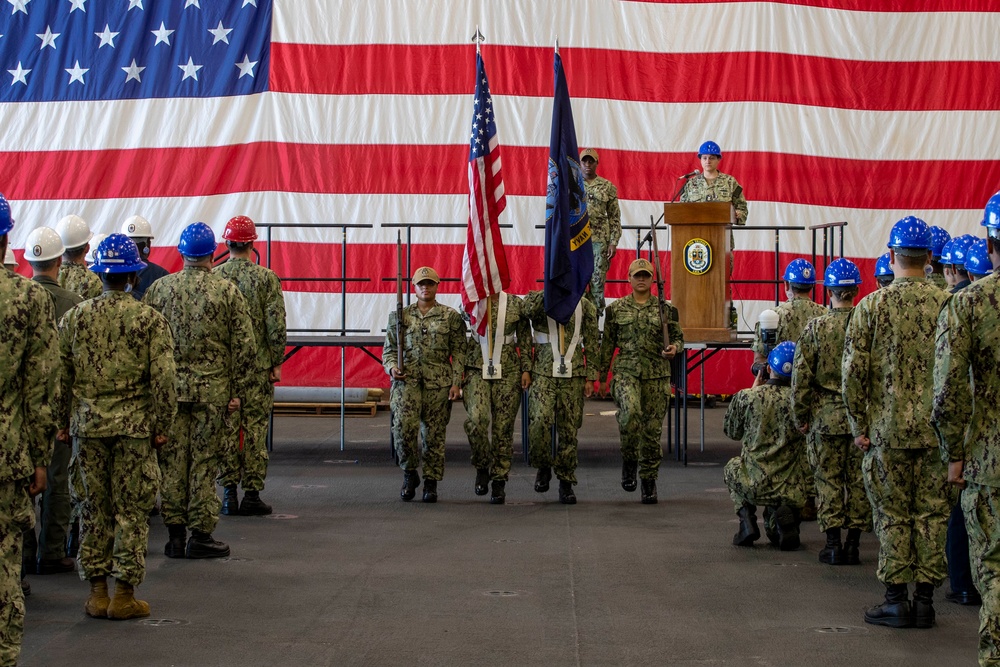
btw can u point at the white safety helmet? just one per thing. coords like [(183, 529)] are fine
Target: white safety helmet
[(94, 243), (74, 231), (9, 260), (42, 245), (137, 227)]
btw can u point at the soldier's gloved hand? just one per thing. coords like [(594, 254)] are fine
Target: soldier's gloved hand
[(39, 481), (588, 389), (862, 442), (396, 375), (159, 441), (454, 393), (955, 470), (234, 405), (525, 380)]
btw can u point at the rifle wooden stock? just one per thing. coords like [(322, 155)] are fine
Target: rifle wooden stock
[(657, 274), (399, 304)]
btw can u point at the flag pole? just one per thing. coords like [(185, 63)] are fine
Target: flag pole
[(478, 39), (489, 333)]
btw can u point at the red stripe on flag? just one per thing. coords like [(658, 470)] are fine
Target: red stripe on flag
[(385, 169), (395, 69)]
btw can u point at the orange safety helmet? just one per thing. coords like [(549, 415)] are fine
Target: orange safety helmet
[(240, 230)]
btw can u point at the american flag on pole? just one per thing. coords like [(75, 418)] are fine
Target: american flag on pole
[(484, 264)]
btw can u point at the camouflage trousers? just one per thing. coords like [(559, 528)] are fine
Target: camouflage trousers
[(115, 481), (908, 492), (841, 501), (556, 401), (423, 412), (981, 506), (189, 463), (600, 276), (57, 506), (744, 491), (496, 400), (642, 405), (247, 464), (16, 515)]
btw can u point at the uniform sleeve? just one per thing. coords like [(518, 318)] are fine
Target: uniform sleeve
[(739, 203), (855, 369), (242, 344), (42, 367), (62, 407), (457, 343), (389, 358), (609, 343), (274, 321), (952, 408), (614, 218), (162, 375), (524, 339), (590, 338), (675, 331), (734, 424), (803, 373)]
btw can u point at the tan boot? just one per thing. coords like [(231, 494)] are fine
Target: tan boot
[(97, 603), (124, 605)]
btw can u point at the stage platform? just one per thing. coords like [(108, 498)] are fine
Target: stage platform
[(345, 574)]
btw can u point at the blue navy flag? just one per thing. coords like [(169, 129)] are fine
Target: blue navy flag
[(64, 50), (569, 254)]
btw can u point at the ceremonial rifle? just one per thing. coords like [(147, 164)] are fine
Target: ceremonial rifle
[(399, 304), (664, 315)]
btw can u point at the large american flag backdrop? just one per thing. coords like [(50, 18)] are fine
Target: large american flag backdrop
[(314, 111)]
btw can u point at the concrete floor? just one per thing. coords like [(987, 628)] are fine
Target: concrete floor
[(346, 574)]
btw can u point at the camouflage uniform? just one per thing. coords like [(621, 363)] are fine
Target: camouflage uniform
[(79, 279), (555, 399), (433, 359), (939, 280), (769, 469), (29, 374), (496, 400), (261, 290), (968, 341), (723, 188), (57, 510), (213, 347), (606, 230), (641, 383), (888, 387), (816, 400), (118, 393)]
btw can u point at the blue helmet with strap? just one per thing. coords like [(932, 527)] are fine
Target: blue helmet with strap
[(977, 259), (6, 222), (709, 148), (842, 273), (800, 272), (991, 214), (910, 233), (954, 250), (117, 253), (197, 240), (883, 267), (939, 236), (781, 357)]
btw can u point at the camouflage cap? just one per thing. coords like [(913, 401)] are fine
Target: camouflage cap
[(425, 273), (590, 152), (638, 266)]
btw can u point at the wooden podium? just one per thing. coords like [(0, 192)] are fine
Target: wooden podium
[(700, 266)]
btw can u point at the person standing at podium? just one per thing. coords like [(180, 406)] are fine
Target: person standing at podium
[(713, 185), (605, 224)]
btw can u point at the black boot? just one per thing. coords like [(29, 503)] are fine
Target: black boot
[(482, 481), (629, 469), (230, 501), (749, 532), (499, 494), (411, 480), (566, 495), (178, 539), (852, 551), (542, 479), (430, 491), (649, 492), (833, 552), (923, 605), (787, 524), (895, 611), (203, 545), (252, 505), (770, 529)]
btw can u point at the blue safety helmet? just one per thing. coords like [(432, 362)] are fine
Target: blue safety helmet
[(939, 236), (954, 250), (910, 232), (117, 253), (709, 148), (780, 359), (991, 214), (842, 273), (883, 267), (977, 259), (197, 240), (6, 222), (800, 272)]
